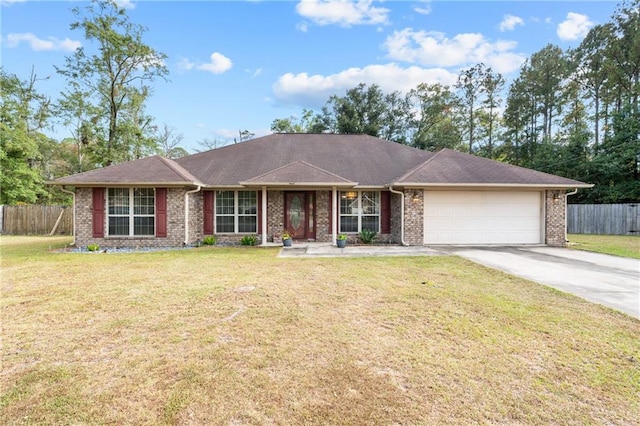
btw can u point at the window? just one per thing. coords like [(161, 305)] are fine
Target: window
[(236, 212), (131, 211), (359, 210)]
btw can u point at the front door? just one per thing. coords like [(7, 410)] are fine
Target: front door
[(300, 214)]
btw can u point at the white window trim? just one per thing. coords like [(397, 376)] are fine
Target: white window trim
[(236, 214), (359, 214), (131, 215)]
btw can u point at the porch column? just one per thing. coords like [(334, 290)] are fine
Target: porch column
[(264, 216), (334, 215)]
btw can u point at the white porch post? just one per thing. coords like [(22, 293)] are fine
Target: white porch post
[(264, 216), (334, 216)]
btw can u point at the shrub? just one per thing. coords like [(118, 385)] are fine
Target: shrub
[(209, 240), (249, 240), (93, 247), (367, 236)]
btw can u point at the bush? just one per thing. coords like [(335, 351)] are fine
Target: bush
[(209, 240), (93, 247), (367, 236), (249, 240)]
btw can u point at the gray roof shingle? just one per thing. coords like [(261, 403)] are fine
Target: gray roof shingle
[(449, 167), (339, 160), (155, 170)]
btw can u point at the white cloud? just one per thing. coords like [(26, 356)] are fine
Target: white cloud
[(429, 48), (126, 4), (36, 43), (424, 8), (575, 27), (185, 64), (342, 12), (314, 90), (10, 2), (509, 22), (217, 65)]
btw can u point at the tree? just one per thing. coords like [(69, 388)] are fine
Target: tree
[(470, 85), (548, 69), (23, 111), (492, 86), (169, 142), (361, 110), (434, 125), (115, 77), (591, 71), (309, 122)]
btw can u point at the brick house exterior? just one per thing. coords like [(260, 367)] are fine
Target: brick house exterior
[(316, 187)]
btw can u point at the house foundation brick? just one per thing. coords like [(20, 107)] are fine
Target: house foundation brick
[(413, 217), (555, 219)]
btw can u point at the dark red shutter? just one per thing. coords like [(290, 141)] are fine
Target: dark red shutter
[(161, 212), (259, 212), (330, 230), (208, 213), (98, 212), (385, 212)]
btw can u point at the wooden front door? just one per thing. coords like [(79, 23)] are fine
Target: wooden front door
[(299, 215)]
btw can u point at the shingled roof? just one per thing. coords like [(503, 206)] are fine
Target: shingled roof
[(155, 170), (364, 159), (453, 168), (319, 160), (291, 175)]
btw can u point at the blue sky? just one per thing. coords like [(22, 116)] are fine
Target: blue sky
[(237, 65)]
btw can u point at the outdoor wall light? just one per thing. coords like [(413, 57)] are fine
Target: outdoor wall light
[(556, 197), (415, 197)]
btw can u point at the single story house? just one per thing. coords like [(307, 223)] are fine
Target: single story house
[(316, 186)]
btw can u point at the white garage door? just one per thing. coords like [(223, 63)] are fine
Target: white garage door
[(482, 217)]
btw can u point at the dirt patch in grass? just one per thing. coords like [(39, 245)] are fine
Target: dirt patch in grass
[(167, 337)]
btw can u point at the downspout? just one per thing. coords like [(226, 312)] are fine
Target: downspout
[(73, 231), (186, 213), (393, 191), (566, 223)]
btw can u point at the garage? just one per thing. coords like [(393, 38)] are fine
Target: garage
[(483, 217)]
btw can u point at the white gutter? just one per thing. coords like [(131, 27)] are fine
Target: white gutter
[(575, 191), (73, 228), (186, 213), (393, 191)]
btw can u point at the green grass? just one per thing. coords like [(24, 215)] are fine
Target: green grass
[(618, 245), (175, 338)]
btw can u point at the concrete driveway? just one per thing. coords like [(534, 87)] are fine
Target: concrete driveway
[(608, 280)]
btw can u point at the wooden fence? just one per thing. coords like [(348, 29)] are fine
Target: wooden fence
[(603, 219), (36, 220)]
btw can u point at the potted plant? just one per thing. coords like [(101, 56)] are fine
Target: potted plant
[(341, 240), (286, 239)]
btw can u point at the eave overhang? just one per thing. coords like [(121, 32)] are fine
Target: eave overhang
[(532, 186)]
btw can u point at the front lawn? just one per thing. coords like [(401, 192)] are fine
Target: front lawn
[(236, 336), (618, 245)]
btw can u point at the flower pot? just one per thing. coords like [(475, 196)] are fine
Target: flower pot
[(286, 242), (341, 243)]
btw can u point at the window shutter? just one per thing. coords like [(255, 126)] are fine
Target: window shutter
[(259, 208), (161, 212), (385, 212), (98, 212), (330, 203), (208, 213)]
